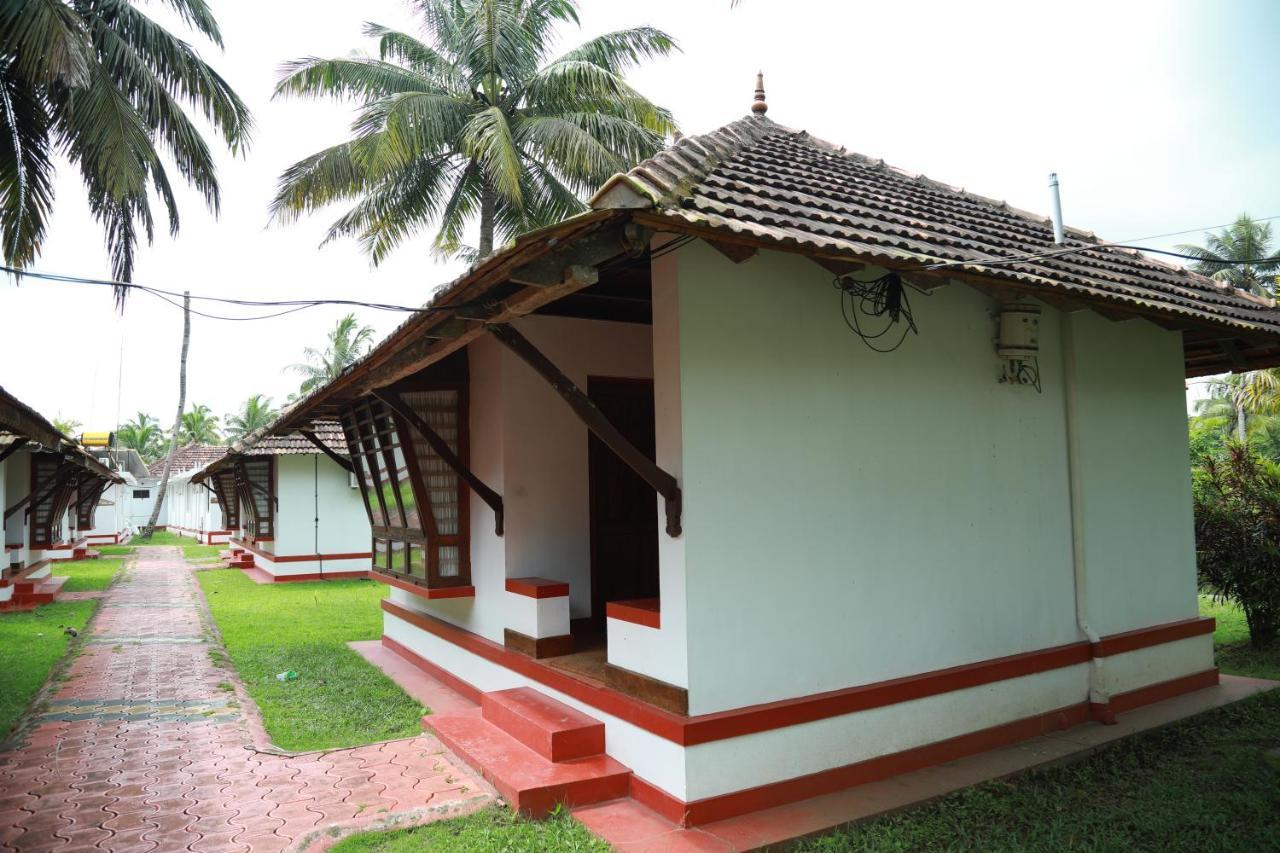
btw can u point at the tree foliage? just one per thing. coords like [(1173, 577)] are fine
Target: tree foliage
[(1223, 255), (199, 426), (108, 88), (255, 413), (143, 434), (1237, 511), (348, 342), (475, 120)]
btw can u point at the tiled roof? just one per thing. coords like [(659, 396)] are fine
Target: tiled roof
[(188, 458), (759, 180), (329, 432)]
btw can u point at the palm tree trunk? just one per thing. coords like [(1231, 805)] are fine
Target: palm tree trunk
[(488, 208), (177, 421), (1241, 433)]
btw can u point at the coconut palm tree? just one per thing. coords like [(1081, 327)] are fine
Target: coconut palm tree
[(105, 86), (255, 413), (473, 121), (348, 341), (199, 426), (1242, 255), (143, 434)]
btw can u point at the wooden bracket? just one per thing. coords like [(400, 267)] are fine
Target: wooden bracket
[(441, 448), (343, 462), (661, 482), (13, 448)]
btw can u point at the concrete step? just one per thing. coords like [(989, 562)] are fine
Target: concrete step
[(532, 784), (42, 591), (548, 727)]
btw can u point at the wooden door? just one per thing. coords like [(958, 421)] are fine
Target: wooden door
[(624, 509)]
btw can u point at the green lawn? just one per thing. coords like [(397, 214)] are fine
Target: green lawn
[(493, 829), (1235, 655), (31, 643), (84, 575), (338, 699), (115, 550), (191, 549)]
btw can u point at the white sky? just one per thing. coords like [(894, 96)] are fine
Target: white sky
[(1158, 116)]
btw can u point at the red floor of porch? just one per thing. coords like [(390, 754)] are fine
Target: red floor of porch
[(629, 826)]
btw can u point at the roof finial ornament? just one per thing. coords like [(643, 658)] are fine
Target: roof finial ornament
[(758, 106)]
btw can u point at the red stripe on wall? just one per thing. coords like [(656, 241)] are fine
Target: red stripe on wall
[(1142, 638), (705, 728)]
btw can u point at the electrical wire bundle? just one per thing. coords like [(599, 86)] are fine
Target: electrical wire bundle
[(885, 296)]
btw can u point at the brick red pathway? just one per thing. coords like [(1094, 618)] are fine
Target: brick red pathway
[(140, 749)]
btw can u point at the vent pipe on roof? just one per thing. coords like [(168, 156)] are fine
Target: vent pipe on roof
[(1056, 213)]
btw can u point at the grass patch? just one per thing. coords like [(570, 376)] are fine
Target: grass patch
[(487, 830), (31, 643), (338, 699), (84, 575), (161, 537), (114, 550), (191, 549), (1234, 654)]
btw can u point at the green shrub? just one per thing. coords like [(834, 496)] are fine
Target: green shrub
[(1237, 506)]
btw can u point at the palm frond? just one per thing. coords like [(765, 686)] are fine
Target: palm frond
[(26, 170), (47, 40), (487, 138), (623, 49), (354, 77)]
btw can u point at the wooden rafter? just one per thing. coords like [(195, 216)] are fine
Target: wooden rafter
[(18, 444), (594, 419), (441, 448), (342, 461)]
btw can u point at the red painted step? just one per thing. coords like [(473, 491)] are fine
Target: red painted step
[(550, 728), (532, 784), (29, 594)]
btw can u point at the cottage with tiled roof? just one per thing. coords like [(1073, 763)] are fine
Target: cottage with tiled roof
[(50, 492), (286, 504), (780, 470)]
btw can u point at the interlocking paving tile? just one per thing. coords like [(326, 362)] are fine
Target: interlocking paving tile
[(141, 749)]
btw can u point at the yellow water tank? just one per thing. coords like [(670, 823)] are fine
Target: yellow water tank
[(97, 439)]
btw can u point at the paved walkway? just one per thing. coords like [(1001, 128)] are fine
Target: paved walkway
[(140, 748)]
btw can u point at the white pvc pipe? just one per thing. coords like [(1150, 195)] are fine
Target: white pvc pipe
[(1056, 198)]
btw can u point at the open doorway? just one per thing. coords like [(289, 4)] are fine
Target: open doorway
[(624, 511), (623, 520)]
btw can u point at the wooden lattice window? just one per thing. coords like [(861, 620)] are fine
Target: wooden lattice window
[(417, 505), (52, 483), (87, 498), (224, 486), (256, 486)]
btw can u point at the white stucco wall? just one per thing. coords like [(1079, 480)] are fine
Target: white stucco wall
[(17, 477), (317, 513), (1139, 534), (853, 516)]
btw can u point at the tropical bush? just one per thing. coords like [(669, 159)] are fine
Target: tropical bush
[(1237, 508)]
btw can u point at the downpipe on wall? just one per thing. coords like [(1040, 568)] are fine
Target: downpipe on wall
[(1098, 696)]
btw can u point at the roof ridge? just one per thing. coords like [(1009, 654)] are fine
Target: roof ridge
[(673, 171)]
